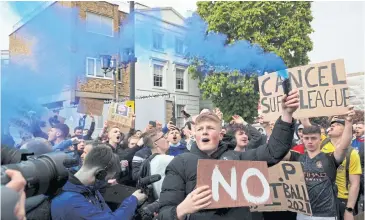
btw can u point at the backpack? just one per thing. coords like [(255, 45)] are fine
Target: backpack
[(347, 167)]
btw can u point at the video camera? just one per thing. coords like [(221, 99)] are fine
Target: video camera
[(44, 174), (147, 209)]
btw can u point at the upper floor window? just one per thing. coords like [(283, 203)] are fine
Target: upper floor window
[(180, 75), (157, 41), (99, 24), (93, 69), (179, 46), (157, 75)]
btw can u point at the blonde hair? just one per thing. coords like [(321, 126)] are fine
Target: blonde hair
[(210, 117)]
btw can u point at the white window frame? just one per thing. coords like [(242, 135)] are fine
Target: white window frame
[(186, 78), (154, 33), (163, 63), (112, 31), (95, 76)]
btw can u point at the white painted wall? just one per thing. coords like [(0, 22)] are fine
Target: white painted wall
[(147, 57)]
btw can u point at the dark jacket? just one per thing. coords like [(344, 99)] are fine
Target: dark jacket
[(78, 201), (90, 131), (126, 154), (137, 161), (181, 173)]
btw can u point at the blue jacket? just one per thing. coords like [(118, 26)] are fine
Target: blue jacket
[(63, 145), (78, 201), (177, 149)]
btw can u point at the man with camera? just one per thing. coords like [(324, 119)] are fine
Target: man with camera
[(80, 197)]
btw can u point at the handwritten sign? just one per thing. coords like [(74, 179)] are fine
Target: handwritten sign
[(288, 190), (93, 106), (120, 116), (321, 86), (235, 183)]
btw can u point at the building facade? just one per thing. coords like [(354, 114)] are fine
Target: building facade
[(91, 81), (4, 58), (355, 82), (161, 67), (160, 73)]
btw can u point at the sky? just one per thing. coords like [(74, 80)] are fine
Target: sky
[(339, 28)]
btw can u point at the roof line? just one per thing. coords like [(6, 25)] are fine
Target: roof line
[(163, 8), (31, 15)]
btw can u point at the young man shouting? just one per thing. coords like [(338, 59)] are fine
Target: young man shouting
[(179, 198)]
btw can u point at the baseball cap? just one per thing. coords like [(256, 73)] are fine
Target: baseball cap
[(340, 121), (300, 127)]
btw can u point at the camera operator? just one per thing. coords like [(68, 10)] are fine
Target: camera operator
[(81, 198), (15, 196)]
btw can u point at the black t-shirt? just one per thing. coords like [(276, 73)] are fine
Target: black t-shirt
[(319, 174)]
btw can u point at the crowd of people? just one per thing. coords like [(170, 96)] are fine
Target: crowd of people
[(332, 160)]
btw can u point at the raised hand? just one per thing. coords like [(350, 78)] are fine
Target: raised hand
[(238, 119), (218, 112), (350, 113), (290, 103)]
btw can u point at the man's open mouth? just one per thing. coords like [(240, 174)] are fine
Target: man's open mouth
[(205, 140)]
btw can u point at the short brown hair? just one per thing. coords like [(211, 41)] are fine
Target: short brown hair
[(209, 116), (133, 137), (360, 123), (149, 135)]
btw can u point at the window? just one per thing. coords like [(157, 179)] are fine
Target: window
[(179, 46), (179, 108), (93, 69), (180, 118), (180, 73), (157, 75), (157, 41), (99, 24)]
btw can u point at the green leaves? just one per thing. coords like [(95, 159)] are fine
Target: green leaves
[(279, 27)]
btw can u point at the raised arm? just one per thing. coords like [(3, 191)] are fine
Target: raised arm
[(280, 141), (346, 138)]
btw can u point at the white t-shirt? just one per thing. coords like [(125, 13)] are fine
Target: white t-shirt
[(158, 166)]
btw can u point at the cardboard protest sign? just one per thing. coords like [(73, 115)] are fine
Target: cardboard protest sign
[(235, 183), (288, 190), (120, 115), (322, 88), (93, 106)]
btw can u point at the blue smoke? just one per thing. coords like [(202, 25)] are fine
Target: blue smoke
[(241, 56), (60, 44)]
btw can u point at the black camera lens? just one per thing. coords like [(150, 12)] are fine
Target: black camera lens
[(44, 174)]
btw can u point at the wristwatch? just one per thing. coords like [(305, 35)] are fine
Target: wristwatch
[(351, 210)]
